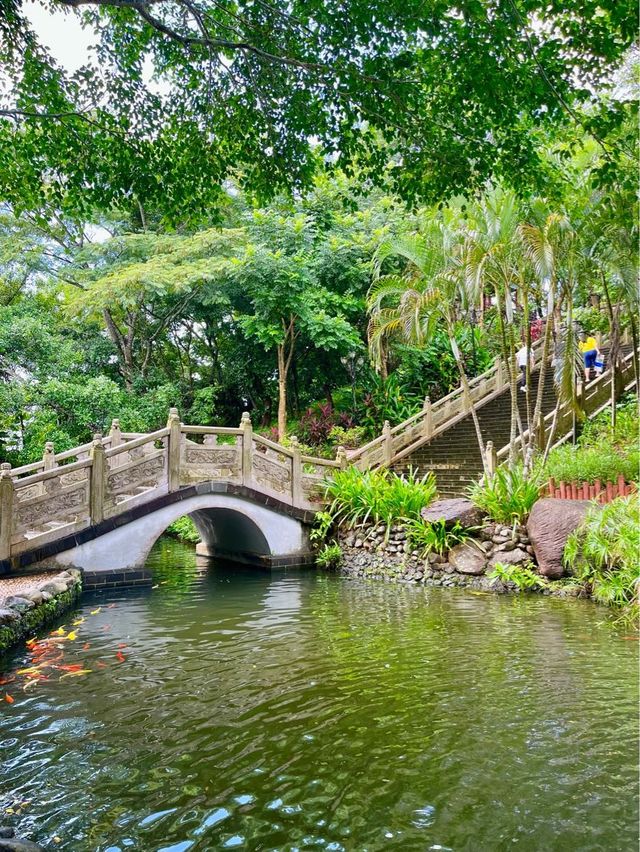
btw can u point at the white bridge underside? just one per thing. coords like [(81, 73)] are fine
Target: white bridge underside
[(229, 526)]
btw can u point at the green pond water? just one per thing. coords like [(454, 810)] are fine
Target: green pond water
[(232, 709)]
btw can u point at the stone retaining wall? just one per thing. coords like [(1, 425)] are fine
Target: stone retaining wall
[(368, 553), (37, 605)]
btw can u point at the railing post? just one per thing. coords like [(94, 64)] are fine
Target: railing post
[(49, 456), (387, 445), (499, 375), (341, 457), (174, 450), (492, 458), (48, 463), (96, 482), (6, 510), (247, 448), (296, 472), (427, 420), (115, 434)]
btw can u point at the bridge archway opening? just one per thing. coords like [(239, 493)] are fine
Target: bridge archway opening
[(229, 533)]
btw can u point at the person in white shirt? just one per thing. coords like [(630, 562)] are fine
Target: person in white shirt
[(523, 355)]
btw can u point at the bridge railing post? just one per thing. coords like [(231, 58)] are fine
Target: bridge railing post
[(174, 450), (492, 458), (247, 448), (341, 457), (97, 480), (296, 472), (48, 462), (115, 434), (6, 510)]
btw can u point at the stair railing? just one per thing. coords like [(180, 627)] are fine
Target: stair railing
[(596, 395), (434, 418)]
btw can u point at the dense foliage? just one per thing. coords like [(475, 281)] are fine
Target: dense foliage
[(178, 95), (603, 552), (357, 498), (603, 452)]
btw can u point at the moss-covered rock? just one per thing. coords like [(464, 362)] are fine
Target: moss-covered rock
[(38, 616)]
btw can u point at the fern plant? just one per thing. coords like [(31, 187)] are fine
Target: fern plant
[(522, 576), (329, 556)]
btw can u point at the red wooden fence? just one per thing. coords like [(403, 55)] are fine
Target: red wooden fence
[(603, 492)]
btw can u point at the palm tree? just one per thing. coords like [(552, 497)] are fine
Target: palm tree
[(549, 247), (412, 302)]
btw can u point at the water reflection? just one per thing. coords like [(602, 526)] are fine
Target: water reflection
[(296, 710)]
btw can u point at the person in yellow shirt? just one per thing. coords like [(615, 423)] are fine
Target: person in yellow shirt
[(589, 348)]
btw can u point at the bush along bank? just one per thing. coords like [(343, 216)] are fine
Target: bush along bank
[(37, 606)]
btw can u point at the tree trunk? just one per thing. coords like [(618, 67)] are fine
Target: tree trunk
[(467, 395), (285, 355), (537, 412), (282, 393)]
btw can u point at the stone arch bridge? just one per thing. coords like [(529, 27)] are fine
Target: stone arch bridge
[(101, 506)]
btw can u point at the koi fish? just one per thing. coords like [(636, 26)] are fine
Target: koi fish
[(8, 698), (120, 657), (96, 611), (72, 636), (76, 673)]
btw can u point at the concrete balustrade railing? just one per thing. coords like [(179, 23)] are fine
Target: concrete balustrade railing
[(434, 418), (594, 397), (67, 492)]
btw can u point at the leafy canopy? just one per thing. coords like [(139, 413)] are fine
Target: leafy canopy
[(179, 95)]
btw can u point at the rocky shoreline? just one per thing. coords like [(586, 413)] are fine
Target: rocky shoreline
[(36, 605), (372, 552)]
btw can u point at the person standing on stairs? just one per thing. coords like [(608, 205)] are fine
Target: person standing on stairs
[(524, 355), (589, 348)]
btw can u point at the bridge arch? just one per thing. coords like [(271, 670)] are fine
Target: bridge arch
[(231, 526)]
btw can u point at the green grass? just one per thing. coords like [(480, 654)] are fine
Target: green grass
[(601, 453), (185, 530), (377, 496)]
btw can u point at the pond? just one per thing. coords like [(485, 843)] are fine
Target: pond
[(228, 708)]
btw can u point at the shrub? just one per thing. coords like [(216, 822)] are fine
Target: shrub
[(605, 552), (599, 453), (373, 496), (586, 464), (508, 496), (524, 578), (319, 420), (348, 438), (329, 556), (184, 529), (435, 537)]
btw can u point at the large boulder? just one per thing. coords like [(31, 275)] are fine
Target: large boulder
[(452, 511), (468, 558), (550, 524), (515, 556)]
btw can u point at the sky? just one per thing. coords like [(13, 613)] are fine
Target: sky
[(60, 31)]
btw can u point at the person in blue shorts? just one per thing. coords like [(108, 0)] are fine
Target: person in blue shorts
[(589, 348)]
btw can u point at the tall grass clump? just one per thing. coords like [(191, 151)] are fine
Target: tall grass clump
[(604, 552), (508, 496), (377, 496)]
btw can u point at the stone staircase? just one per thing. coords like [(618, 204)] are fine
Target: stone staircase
[(454, 456)]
